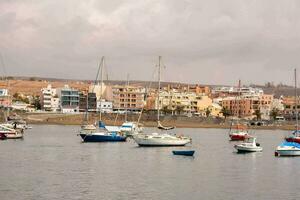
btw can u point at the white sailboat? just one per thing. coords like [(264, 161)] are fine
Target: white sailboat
[(291, 148), (91, 133), (156, 139)]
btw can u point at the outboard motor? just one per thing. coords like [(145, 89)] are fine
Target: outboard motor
[(257, 144)]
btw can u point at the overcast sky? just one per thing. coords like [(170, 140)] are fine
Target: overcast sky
[(210, 42)]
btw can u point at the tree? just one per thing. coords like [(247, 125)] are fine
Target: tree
[(36, 102), (207, 112), (225, 112), (165, 110), (274, 113), (257, 113), (179, 109)]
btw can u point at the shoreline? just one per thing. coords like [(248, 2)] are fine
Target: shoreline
[(178, 122)]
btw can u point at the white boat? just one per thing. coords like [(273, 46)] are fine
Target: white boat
[(128, 128), (156, 139), (10, 133), (249, 145), (288, 149)]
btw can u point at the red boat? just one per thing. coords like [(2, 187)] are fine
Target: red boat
[(239, 133), (293, 138)]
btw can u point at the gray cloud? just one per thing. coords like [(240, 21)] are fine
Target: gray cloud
[(215, 42)]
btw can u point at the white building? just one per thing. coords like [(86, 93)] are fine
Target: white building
[(49, 99), (105, 106), (244, 91)]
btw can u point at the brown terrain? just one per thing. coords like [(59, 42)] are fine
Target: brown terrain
[(33, 87)]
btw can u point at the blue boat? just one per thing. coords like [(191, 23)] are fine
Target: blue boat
[(184, 152), (102, 137)]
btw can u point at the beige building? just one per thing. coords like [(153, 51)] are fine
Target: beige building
[(177, 102), (106, 91), (130, 98)]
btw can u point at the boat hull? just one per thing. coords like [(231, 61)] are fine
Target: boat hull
[(238, 137), (184, 153), (102, 138), (288, 149), (288, 152), (244, 149), (293, 139), (14, 136), (153, 142)]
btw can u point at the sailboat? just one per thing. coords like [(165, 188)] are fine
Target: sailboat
[(91, 133), (10, 133), (157, 139), (238, 132), (289, 147)]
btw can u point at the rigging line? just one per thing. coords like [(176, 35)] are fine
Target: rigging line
[(149, 87)]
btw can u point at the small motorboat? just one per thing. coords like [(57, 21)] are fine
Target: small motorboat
[(238, 133), (249, 145), (288, 149), (295, 137), (184, 152)]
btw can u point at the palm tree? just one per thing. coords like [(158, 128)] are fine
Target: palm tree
[(274, 113), (207, 112), (225, 112), (257, 113)]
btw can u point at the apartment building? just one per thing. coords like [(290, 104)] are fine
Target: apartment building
[(178, 102), (131, 98), (69, 99), (87, 101), (246, 106), (49, 99)]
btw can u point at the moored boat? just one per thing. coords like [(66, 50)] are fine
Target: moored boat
[(249, 145), (239, 133), (295, 137), (11, 133), (288, 149), (156, 140), (164, 139), (184, 152), (104, 136)]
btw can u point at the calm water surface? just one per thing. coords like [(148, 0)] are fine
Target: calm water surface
[(52, 163)]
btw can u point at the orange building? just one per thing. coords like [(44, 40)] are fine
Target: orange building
[(246, 106)]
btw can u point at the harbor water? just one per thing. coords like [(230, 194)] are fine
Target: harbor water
[(51, 163)]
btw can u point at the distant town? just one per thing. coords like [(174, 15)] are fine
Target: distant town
[(55, 96)]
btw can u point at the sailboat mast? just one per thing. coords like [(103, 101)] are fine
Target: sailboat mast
[(296, 103), (158, 89), (239, 100), (127, 90), (101, 83)]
